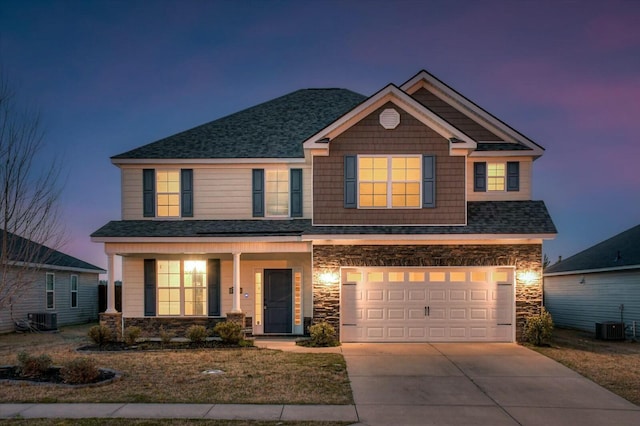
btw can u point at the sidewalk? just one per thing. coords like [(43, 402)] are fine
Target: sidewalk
[(346, 413)]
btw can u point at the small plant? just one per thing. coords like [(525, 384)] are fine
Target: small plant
[(100, 335), (197, 333), (131, 335), (323, 334), (165, 335), (538, 328), (230, 332), (33, 366), (79, 371)]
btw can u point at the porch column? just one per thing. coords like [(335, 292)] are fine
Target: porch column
[(111, 286), (235, 307)]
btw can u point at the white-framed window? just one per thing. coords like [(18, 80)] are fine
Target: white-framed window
[(50, 289), (182, 287), (391, 181), (277, 192), (496, 176), (73, 284), (168, 193)]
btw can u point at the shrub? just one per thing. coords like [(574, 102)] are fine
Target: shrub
[(79, 371), (538, 328), (165, 336), (131, 335), (230, 332), (100, 335), (197, 333), (33, 366), (323, 334)]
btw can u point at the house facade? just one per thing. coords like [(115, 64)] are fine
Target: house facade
[(403, 216), (601, 284), (62, 290)]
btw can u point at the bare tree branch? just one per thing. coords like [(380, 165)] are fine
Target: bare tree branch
[(30, 186)]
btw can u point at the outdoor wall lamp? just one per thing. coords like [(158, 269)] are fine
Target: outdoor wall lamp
[(328, 277), (528, 277)]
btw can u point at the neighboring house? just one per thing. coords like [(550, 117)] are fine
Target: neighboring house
[(597, 285), (403, 216), (60, 290)]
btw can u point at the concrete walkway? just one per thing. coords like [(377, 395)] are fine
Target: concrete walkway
[(411, 384)]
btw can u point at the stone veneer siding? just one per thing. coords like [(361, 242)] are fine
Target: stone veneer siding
[(150, 326), (525, 257)]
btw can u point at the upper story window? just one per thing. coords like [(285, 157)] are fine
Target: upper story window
[(496, 176), (277, 192), (167, 193), (389, 181)]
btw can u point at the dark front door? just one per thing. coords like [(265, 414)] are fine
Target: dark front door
[(277, 300)]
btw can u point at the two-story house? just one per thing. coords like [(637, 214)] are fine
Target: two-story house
[(403, 216)]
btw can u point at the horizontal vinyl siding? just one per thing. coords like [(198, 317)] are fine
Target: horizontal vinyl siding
[(580, 306), (32, 300), (220, 191), (524, 193), (87, 309), (132, 287)]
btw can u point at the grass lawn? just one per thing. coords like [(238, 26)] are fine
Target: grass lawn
[(612, 364), (251, 375)]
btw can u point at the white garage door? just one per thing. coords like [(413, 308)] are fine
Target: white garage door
[(427, 304)]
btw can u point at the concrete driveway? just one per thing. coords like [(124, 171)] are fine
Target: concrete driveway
[(475, 384)]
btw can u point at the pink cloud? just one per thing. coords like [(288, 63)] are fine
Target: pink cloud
[(614, 32)]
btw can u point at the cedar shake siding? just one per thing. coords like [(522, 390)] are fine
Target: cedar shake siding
[(453, 116), (368, 137)]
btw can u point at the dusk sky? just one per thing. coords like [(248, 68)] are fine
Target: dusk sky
[(109, 76)]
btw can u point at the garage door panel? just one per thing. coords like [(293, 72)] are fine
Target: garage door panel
[(427, 304)]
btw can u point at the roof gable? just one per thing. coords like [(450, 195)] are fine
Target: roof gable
[(621, 251), (273, 129), (393, 94), (505, 133)]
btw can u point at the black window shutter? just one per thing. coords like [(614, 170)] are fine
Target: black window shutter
[(258, 192), (513, 176), (480, 177), (186, 192), (428, 181), (350, 181), (149, 287), (213, 287), (148, 192), (296, 192)]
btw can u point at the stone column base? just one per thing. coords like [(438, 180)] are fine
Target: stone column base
[(114, 323), (237, 317)]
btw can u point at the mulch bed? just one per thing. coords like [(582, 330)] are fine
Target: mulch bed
[(52, 376), (153, 345)]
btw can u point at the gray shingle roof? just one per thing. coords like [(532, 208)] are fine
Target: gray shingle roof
[(622, 250), (484, 217), (42, 254), (273, 129)]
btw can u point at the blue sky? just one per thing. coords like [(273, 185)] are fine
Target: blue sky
[(109, 76)]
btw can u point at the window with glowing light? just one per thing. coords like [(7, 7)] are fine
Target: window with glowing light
[(277, 192), (496, 177), (168, 193), (389, 181), (182, 287)]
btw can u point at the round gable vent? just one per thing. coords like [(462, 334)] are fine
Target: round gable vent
[(389, 118)]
